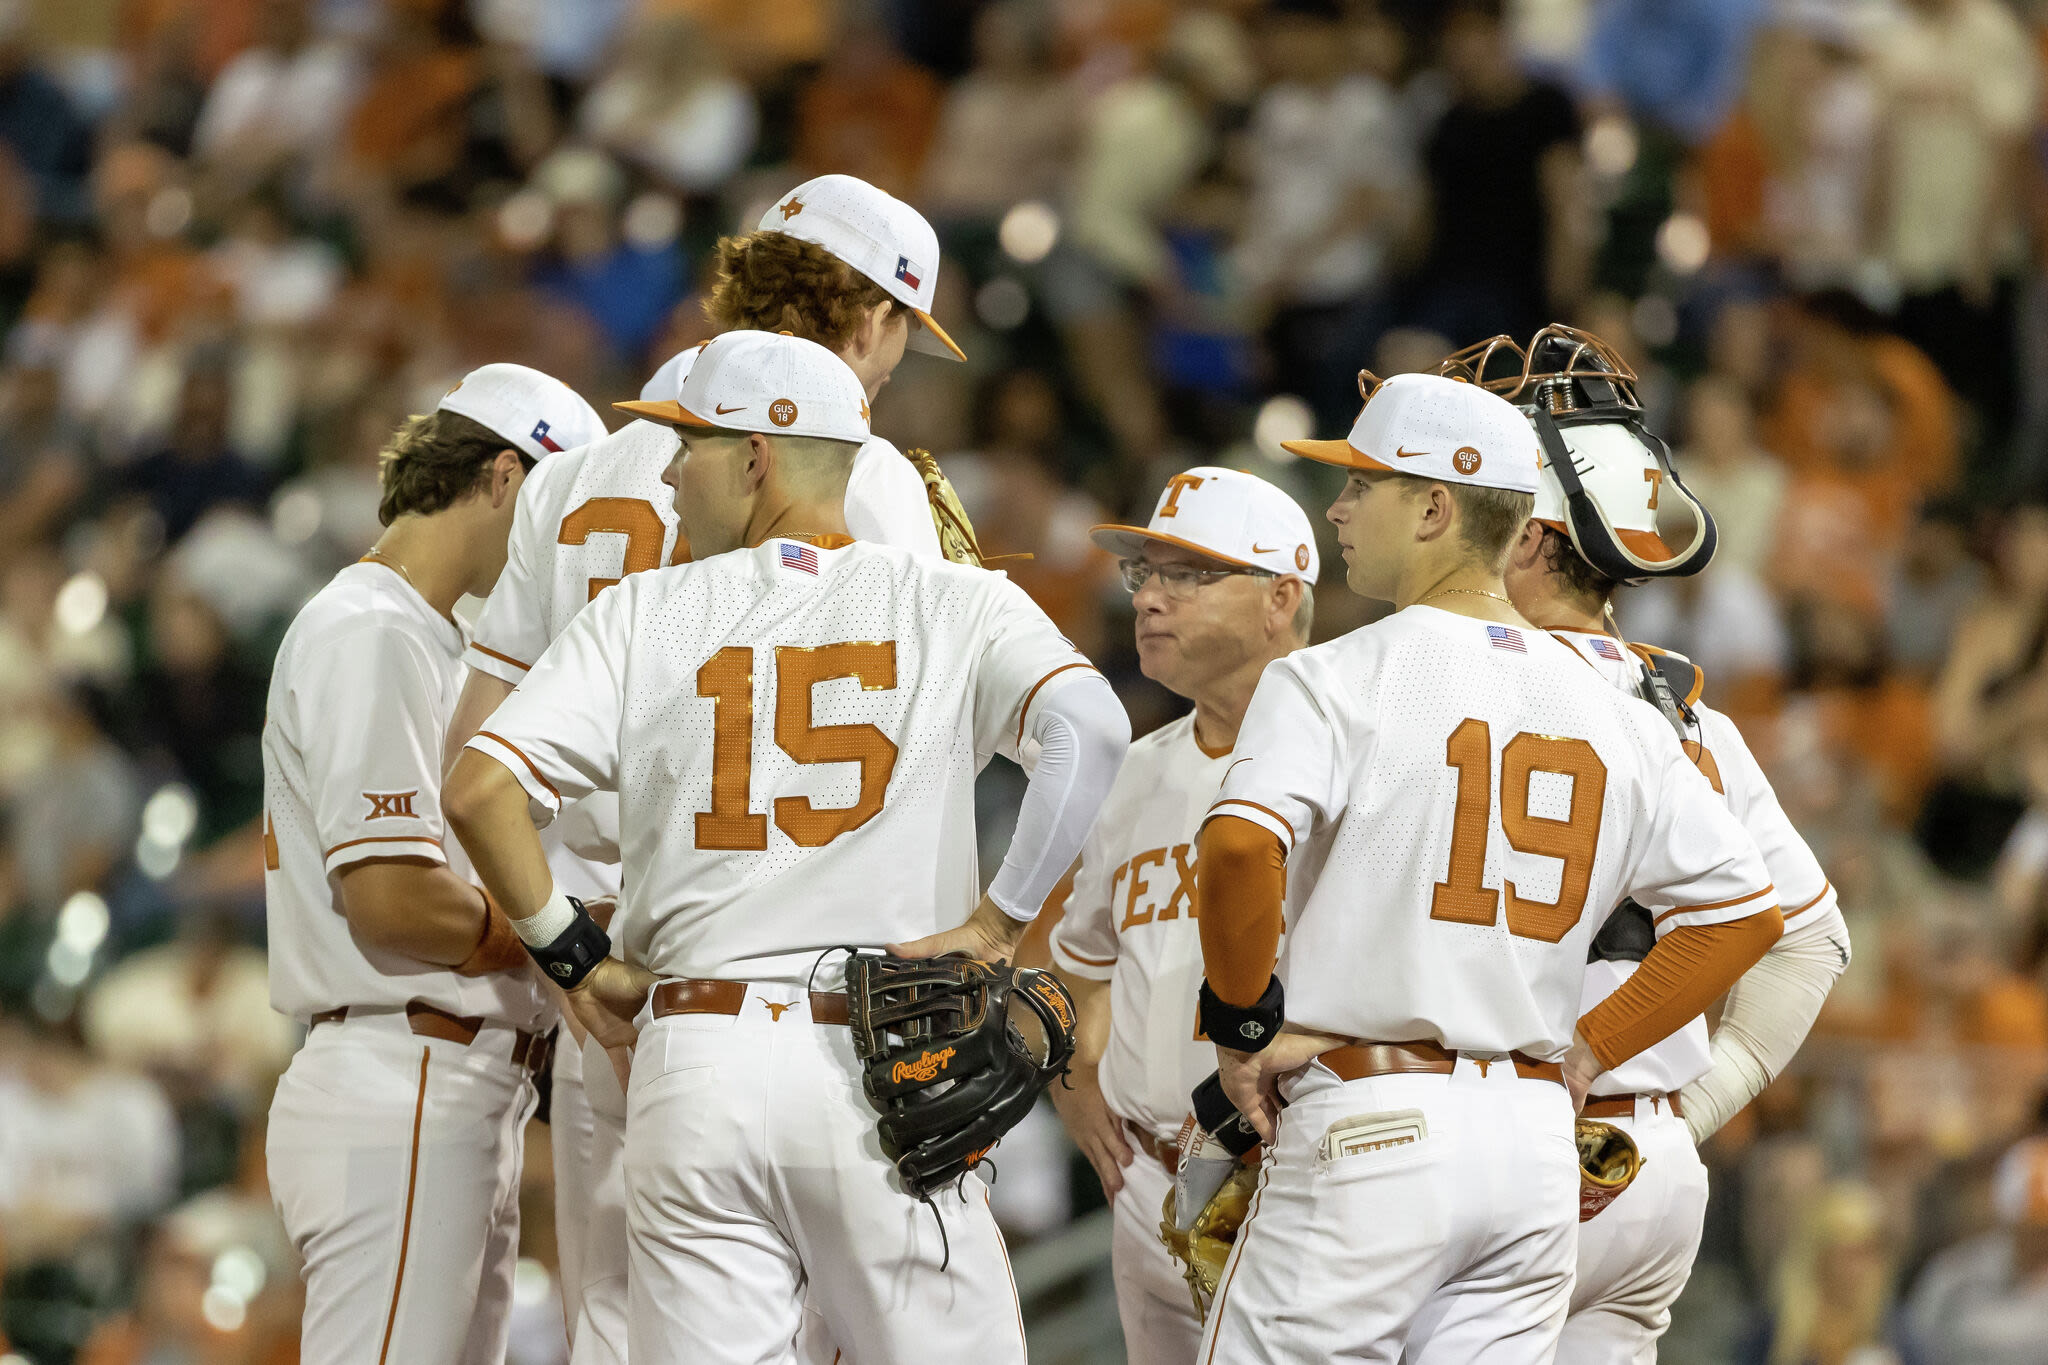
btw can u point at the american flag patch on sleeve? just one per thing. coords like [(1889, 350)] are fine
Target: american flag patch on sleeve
[(1506, 637), (1605, 648), (801, 557)]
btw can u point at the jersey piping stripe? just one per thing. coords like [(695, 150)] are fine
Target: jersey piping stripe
[(531, 766), (1825, 887), (1223, 1290), (1268, 811), (384, 839), (1024, 711), (501, 658), (1714, 905), (412, 1180), (1004, 1248), (1083, 958)]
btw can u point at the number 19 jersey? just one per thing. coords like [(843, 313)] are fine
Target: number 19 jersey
[(1467, 812), (793, 731)]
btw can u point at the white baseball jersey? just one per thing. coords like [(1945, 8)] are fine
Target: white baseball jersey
[(360, 698), (1485, 811), (753, 708), (1131, 921), (1714, 744)]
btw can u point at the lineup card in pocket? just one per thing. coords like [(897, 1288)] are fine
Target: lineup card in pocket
[(1364, 1133)]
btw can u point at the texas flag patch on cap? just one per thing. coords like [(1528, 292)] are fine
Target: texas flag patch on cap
[(905, 273), (540, 436), (1506, 637), (800, 557)]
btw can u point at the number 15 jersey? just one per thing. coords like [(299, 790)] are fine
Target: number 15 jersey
[(1466, 813), (793, 731)]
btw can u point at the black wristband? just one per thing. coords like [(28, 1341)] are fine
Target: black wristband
[(1242, 1028), (575, 952), (1220, 1119)]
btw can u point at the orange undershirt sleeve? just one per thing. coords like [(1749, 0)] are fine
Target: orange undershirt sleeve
[(1690, 968), (1240, 886)]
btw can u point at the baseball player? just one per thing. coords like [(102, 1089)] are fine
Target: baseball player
[(792, 724), (1463, 813), (394, 1142), (1628, 517), (826, 270), (1222, 579)]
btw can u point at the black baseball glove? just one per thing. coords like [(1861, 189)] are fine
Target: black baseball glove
[(954, 1054)]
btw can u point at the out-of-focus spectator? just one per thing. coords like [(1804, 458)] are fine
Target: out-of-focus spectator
[(197, 1010), (84, 1147), (74, 818), (43, 462), (671, 107), (1509, 236), (1677, 65), (1007, 129), (1958, 82), (39, 124), (197, 469), (869, 113), (1984, 1301), (625, 287), (278, 106), (1330, 171), (1991, 694), (1833, 1287), (1742, 483)]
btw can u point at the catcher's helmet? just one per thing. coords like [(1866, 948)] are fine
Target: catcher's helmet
[(1607, 482)]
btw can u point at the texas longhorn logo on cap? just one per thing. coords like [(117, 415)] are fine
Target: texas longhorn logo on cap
[(792, 209)]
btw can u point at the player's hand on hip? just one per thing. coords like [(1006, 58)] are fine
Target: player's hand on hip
[(609, 1000), (989, 935), (1251, 1080), (1095, 1130), (1581, 1069)]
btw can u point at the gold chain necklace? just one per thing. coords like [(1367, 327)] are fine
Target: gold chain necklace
[(382, 558), (1469, 592)]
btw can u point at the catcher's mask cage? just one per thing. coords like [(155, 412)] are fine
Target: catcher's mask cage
[(1568, 378)]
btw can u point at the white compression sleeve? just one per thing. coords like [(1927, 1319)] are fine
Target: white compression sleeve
[(1766, 1019), (1082, 733)]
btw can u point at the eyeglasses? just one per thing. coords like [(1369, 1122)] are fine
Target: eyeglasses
[(1179, 581)]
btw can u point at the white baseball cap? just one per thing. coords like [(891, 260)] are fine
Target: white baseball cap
[(1226, 514), (535, 412), (1624, 478), (1436, 428), (667, 381), (877, 234), (768, 382)]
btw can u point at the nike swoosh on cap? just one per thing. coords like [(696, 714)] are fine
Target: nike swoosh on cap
[(1408, 454), (721, 410), (1258, 549)]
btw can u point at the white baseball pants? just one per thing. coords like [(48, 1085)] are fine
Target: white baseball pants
[(1636, 1254), (763, 1214), (394, 1164), (1445, 1237), (588, 1119), (1161, 1326)]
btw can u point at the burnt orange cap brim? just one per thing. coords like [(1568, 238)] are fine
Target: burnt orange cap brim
[(675, 414), (1647, 546), (1126, 540), (1341, 453)]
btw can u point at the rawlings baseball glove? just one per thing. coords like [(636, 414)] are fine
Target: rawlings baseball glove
[(956, 533), (1204, 1245), (1608, 1160), (954, 1053)]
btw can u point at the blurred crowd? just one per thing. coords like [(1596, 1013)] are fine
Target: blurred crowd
[(240, 240)]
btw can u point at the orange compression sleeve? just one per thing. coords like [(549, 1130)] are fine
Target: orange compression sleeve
[(1240, 885), (1690, 968)]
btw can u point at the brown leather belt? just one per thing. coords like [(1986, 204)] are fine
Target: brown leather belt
[(529, 1050), (1357, 1061), (1166, 1154), (1624, 1106), (687, 996)]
